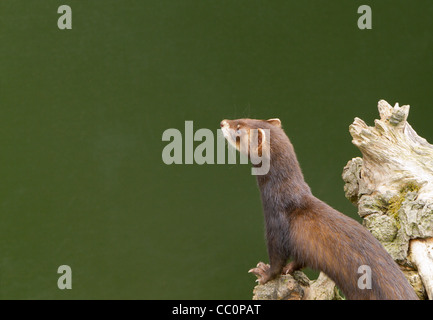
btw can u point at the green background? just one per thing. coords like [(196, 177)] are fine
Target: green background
[(82, 113)]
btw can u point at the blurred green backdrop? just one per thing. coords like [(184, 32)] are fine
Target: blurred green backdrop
[(82, 113)]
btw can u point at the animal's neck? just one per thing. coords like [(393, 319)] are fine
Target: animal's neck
[(283, 187)]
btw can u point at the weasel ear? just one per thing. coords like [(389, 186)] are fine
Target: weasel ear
[(275, 122), (262, 136)]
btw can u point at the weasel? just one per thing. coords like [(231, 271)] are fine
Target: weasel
[(302, 227)]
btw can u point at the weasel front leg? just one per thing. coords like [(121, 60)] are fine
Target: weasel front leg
[(278, 250)]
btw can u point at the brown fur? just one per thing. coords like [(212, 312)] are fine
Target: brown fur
[(300, 226)]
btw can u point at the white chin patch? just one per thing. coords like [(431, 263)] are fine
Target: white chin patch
[(229, 135)]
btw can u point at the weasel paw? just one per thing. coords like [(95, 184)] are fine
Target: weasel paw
[(291, 267), (261, 272)]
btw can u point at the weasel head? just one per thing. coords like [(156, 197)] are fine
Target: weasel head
[(250, 136)]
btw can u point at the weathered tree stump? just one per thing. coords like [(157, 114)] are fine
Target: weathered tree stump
[(392, 185)]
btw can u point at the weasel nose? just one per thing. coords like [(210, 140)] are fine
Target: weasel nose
[(223, 123)]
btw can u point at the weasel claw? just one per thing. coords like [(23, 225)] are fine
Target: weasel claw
[(261, 272)]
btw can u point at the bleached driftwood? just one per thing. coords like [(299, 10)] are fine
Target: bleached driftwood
[(392, 185)]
